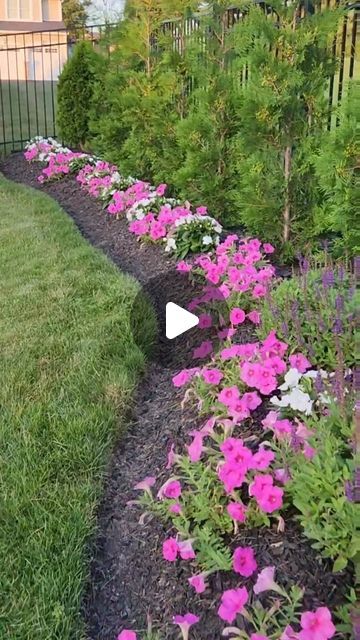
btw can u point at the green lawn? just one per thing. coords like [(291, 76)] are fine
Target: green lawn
[(68, 366), (27, 109)]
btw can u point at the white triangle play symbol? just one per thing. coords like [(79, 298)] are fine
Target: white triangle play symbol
[(178, 320)]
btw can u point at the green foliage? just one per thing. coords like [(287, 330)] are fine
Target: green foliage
[(317, 490), (282, 111), (338, 171), (314, 312), (232, 118), (197, 235), (74, 13), (75, 93)]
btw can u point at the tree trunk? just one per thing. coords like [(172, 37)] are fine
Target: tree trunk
[(286, 213)]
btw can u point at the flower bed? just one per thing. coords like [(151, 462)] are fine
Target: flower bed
[(225, 481)]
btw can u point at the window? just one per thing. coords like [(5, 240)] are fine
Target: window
[(45, 9), (19, 10)]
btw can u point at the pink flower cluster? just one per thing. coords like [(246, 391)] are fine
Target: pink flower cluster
[(239, 266), (58, 166)]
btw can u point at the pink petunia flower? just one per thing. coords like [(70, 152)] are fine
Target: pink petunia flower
[(198, 583), (196, 448), (244, 561), (258, 636), (212, 376), (181, 378), (205, 321), (268, 248), (266, 581), (186, 550), (170, 549), (254, 317), (183, 266), (237, 316), (236, 511), (171, 489), (204, 350), (300, 362), (262, 459), (185, 622), (175, 508), (271, 499), (317, 625), (232, 603), (229, 395), (127, 635), (146, 484)]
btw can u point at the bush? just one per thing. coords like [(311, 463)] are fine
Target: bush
[(314, 304), (75, 93), (338, 172), (317, 490)]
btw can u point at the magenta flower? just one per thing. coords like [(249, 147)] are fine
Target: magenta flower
[(171, 489), (181, 378), (175, 508), (266, 581), (170, 549), (204, 350), (244, 561), (258, 636), (160, 190), (237, 316), (183, 266), (268, 248), (127, 635), (185, 622), (300, 362), (205, 321), (236, 511), (146, 484), (262, 459), (317, 625), (271, 499), (196, 448), (254, 317), (228, 395), (232, 603), (198, 583), (186, 550), (212, 376)]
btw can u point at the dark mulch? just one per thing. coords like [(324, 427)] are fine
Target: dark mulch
[(129, 579)]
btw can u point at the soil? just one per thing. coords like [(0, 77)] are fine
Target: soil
[(129, 580)]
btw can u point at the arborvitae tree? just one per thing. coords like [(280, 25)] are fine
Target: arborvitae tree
[(282, 111), (75, 93), (205, 135), (337, 166), (144, 90)]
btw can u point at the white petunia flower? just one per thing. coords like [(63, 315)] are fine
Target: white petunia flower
[(292, 379), (207, 240)]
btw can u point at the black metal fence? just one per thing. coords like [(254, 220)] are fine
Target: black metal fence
[(30, 65)]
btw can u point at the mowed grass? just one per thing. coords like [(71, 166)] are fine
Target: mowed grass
[(68, 365), (27, 109)]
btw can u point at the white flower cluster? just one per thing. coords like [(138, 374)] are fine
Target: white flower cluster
[(296, 395), (39, 141), (196, 217)]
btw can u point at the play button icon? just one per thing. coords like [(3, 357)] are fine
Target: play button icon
[(178, 320)]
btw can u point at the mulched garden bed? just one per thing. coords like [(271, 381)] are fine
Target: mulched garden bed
[(129, 578)]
